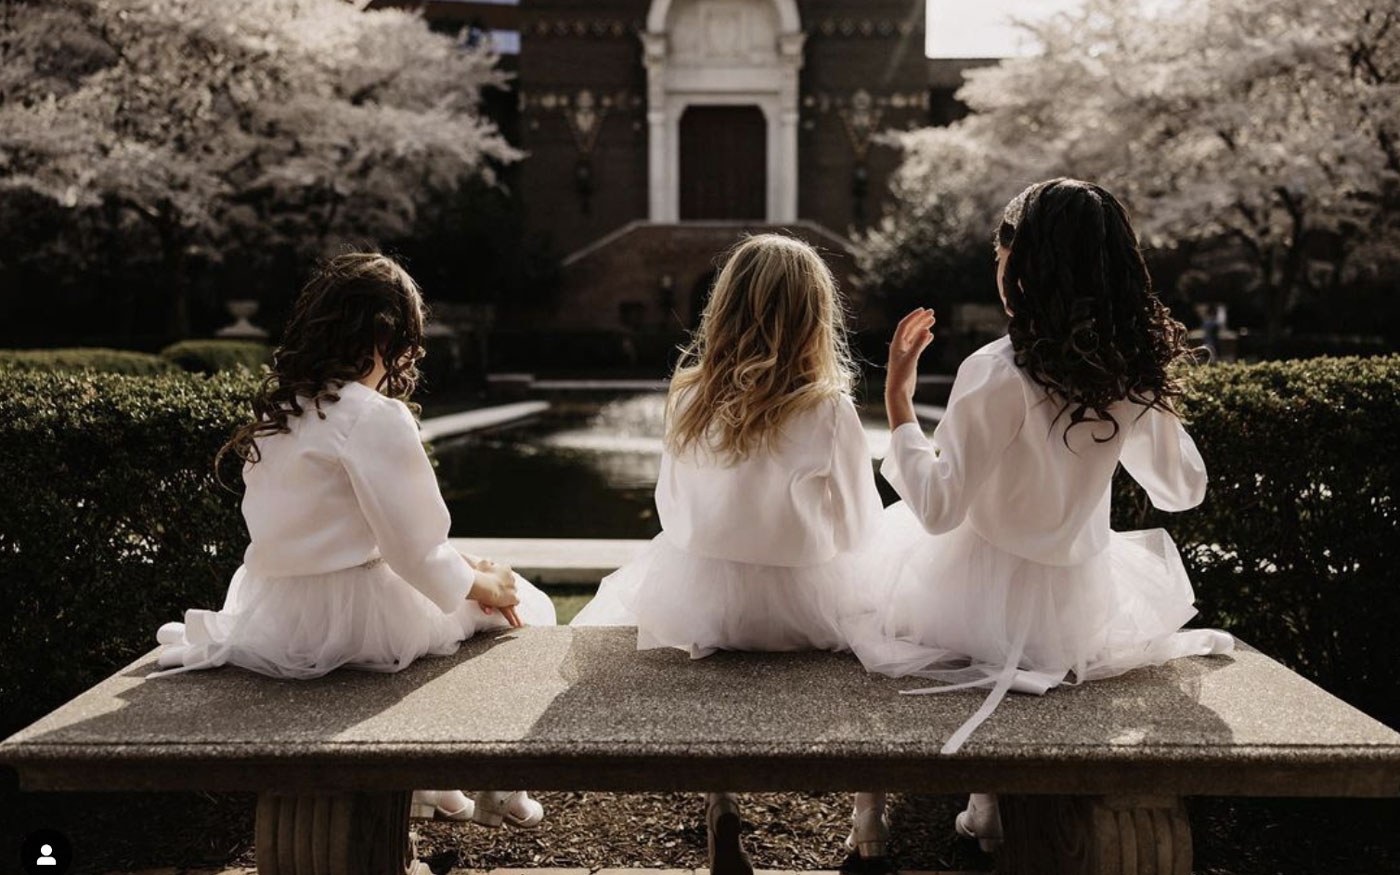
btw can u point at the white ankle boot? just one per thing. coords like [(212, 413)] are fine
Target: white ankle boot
[(441, 805), (981, 820)]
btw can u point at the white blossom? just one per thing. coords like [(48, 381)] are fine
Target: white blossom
[(1273, 124), (240, 122)]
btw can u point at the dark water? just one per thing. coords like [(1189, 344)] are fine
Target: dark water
[(583, 472), (580, 471)]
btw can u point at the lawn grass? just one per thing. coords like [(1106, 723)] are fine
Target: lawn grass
[(568, 600)]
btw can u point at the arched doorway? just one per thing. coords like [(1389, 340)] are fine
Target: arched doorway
[(723, 161)]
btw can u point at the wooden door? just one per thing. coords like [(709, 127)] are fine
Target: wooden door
[(724, 163)]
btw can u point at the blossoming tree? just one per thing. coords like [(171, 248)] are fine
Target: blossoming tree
[(197, 130), (1274, 124)]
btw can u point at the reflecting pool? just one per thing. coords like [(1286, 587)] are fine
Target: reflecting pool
[(579, 471)]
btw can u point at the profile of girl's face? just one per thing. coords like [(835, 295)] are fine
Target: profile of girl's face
[(1002, 254)]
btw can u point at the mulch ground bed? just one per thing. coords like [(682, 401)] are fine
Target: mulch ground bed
[(132, 832), (664, 830)]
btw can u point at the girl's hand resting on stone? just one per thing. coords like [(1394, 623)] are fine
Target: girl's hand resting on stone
[(494, 588)]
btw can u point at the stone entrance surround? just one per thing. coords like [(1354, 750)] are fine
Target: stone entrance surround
[(722, 52)]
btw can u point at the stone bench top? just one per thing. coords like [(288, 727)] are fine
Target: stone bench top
[(562, 708)]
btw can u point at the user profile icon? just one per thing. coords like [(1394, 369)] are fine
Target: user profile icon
[(46, 852)]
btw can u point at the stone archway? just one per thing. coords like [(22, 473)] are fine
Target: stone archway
[(723, 53)]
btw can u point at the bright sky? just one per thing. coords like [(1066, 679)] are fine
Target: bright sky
[(983, 28)]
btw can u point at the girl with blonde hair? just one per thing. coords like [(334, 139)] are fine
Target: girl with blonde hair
[(766, 491)]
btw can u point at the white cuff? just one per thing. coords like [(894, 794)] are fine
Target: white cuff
[(904, 439)]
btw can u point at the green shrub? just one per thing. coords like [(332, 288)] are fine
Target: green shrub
[(111, 525), (213, 356), (98, 359), (1296, 546)]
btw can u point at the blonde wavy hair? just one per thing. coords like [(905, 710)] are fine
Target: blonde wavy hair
[(771, 344)]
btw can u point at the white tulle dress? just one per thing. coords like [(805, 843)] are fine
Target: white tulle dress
[(999, 567), (762, 554), (349, 562)]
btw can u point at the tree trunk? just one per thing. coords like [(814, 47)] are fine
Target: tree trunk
[(172, 269), (1291, 272), (1274, 306)]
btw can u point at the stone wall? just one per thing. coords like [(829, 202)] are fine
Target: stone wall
[(865, 73), (582, 93), (653, 278)]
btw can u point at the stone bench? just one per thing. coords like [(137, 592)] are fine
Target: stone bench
[(1092, 777)]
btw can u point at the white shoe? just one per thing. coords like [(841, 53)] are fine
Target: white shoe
[(981, 820), (1221, 642), (870, 833), (518, 810), (171, 656), (441, 805)]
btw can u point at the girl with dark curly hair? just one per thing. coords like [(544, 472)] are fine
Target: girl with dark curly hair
[(348, 562), (1003, 572)]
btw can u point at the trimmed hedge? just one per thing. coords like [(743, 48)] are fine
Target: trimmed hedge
[(1297, 546), (111, 524), (78, 359), (213, 356)]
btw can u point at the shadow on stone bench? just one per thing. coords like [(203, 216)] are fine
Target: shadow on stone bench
[(1091, 777)]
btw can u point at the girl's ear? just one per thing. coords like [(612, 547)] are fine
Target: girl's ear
[(383, 339), (1003, 256)]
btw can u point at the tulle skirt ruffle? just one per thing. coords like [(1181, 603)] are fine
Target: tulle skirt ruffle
[(304, 627), (959, 610), (701, 604)]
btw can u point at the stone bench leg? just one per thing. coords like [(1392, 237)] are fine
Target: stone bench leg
[(1094, 835), (335, 834)]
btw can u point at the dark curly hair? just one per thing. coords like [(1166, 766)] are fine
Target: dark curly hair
[(1085, 322), (352, 306)]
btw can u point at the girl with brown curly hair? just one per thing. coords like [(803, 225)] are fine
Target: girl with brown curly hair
[(1001, 567), (349, 563)]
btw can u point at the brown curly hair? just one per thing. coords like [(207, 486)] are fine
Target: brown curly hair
[(353, 305), (1085, 322)]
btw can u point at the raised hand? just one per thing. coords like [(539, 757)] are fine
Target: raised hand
[(911, 337)]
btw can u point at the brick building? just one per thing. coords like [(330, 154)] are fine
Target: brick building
[(658, 131)]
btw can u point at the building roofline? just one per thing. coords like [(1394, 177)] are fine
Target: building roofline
[(816, 228)]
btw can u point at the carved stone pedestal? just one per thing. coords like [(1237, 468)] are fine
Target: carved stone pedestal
[(1094, 835), (335, 834)]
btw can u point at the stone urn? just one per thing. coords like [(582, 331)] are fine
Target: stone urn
[(242, 310)]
